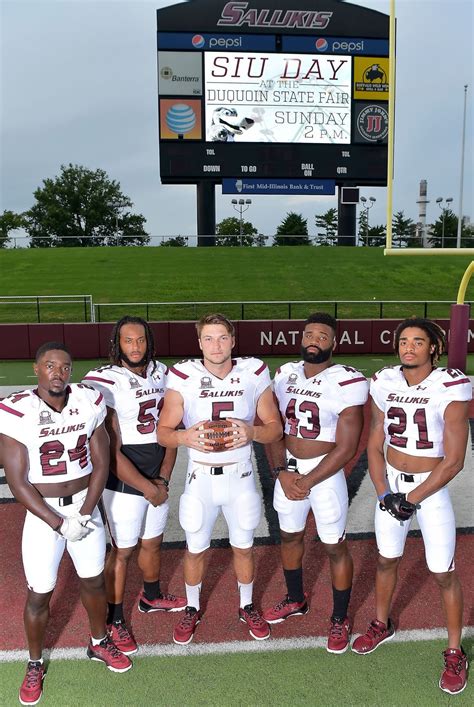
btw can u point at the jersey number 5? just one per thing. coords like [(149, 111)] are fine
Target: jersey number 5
[(146, 419)]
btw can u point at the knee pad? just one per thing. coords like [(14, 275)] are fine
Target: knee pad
[(248, 507), (326, 507), (191, 513)]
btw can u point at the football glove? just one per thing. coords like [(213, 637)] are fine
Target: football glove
[(75, 527), (398, 506)]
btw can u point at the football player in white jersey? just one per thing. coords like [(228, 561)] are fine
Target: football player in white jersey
[(239, 390), (321, 404), (136, 493), (56, 455), (420, 415)]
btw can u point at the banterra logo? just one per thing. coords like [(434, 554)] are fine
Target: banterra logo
[(216, 42)]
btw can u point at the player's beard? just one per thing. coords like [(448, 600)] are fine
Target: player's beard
[(133, 364), (57, 393), (410, 365), (321, 356)]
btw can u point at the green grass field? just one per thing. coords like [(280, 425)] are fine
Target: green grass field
[(21, 372), (397, 674), (227, 274)]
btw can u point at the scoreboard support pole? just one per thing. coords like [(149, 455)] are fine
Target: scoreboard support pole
[(206, 212)]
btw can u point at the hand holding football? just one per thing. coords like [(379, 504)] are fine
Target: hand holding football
[(218, 433)]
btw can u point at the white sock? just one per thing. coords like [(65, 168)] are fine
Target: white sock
[(96, 641), (245, 591), (35, 660), (192, 594)]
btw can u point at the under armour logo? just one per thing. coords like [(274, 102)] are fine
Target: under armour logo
[(316, 381), (235, 380), (420, 387), (73, 411)]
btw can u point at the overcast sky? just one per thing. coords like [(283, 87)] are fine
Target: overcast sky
[(78, 84)]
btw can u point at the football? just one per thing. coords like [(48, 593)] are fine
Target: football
[(218, 433)]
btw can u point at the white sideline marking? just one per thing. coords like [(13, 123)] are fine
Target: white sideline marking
[(276, 644)]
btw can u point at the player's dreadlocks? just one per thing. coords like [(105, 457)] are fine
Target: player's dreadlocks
[(115, 355), (432, 330), (322, 318)]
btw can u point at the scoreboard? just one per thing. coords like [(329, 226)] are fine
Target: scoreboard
[(272, 89)]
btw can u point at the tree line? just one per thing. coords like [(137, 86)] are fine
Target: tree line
[(83, 207)]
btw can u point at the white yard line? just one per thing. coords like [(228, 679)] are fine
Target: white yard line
[(276, 644)]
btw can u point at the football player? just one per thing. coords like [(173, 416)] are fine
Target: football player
[(136, 493), (420, 414), (321, 404), (238, 390), (56, 457)]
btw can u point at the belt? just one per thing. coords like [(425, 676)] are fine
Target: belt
[(410, 478), (216, 470), (65, 500)]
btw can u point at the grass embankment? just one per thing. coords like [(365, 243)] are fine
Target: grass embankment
[(316, 275)]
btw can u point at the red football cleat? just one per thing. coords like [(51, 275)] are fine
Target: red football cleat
[(258, 628), (454, 676), (31, 688)]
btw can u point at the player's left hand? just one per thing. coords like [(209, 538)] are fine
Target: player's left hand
[(242, 433), (303, 483), (398, 506)]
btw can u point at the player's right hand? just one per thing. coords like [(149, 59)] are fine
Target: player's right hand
[(75, 527), (195, 438), (288, 481), (156, 494)]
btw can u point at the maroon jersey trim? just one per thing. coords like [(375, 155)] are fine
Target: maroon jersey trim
[(459, 382), (99, 399), (100, 380), (13, 412), (261, 369), (178, 373), (354, 380)]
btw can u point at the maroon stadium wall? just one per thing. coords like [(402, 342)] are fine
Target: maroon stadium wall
[(178, 339)]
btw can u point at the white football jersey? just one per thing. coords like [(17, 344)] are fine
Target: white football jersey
[(414, 415), (136, 400), (310, 407), (207, 397), (57, 442)]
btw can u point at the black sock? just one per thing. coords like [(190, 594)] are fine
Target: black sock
[(115, 613), (341, 598), (151, 590), (294, 584)]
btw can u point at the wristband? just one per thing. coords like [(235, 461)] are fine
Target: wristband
[(166, 482), (382, 495), (58, 527), (276, 471)]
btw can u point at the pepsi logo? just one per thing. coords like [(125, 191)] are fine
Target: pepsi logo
[(321, 44), (198, 41)]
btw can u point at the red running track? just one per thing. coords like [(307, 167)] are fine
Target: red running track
[(416, 603)]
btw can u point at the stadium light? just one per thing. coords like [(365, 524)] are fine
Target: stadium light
[(439, 201), (241, 205), (367, 205)]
